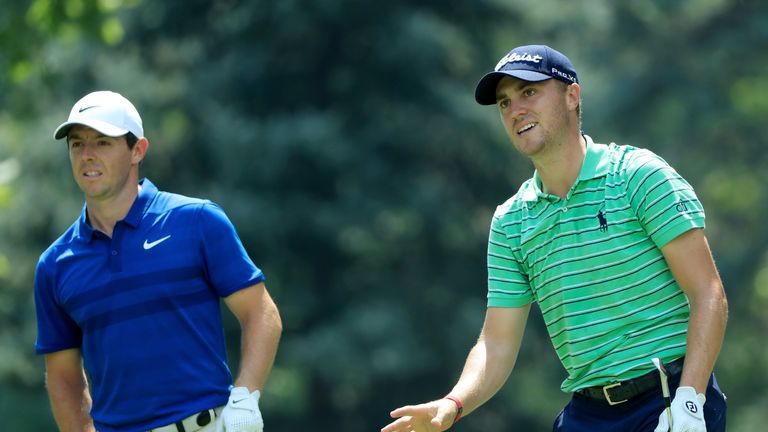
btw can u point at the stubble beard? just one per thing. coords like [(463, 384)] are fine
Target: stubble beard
[(553, 138)]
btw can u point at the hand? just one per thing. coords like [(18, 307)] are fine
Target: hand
[(687, 412), (429, 417), (241, 413)]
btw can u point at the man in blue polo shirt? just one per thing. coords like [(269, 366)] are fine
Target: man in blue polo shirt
[(127, 298)]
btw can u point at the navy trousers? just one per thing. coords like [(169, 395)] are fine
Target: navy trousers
[(640, 414)]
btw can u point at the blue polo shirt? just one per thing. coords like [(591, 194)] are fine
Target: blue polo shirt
[(143, 307)]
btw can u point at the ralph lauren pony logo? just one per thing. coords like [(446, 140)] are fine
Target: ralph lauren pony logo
[(602, 219)]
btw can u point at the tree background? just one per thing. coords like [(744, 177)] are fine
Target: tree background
[(342, 138)]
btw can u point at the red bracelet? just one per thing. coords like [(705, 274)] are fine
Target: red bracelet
[(458, 404)]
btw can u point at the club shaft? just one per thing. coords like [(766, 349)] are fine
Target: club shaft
[(664, 388)]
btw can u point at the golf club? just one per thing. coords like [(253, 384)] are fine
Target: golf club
[(664, 387)]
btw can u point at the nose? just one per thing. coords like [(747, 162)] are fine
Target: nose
[(519, 109), (87, 151), (516, 112)]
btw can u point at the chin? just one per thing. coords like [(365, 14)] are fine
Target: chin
[(529, 148), (92, 192)]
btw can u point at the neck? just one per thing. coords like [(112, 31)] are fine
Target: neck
[(558, 171), (103, 214)]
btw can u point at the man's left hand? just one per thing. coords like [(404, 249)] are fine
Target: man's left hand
[(687, 412), (241, 413)]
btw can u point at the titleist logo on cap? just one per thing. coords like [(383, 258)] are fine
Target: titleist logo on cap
[(515, 57), (531, 63)]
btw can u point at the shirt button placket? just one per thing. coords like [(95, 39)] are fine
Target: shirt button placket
[(115, 261)]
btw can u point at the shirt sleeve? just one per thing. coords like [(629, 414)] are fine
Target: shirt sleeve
[(228, 266), (507, 282), (665, 204), (56, 330)]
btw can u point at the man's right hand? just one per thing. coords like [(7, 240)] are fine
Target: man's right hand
[(432, 416)]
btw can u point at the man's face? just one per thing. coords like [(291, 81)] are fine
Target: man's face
[(537, 115), (101, 165)]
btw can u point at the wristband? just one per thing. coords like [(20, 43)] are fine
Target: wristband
[(458, 405)]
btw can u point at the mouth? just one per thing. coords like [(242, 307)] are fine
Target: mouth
[(91, 174), (526, 128)]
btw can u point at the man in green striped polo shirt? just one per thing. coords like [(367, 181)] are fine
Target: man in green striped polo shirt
[(609, 241)]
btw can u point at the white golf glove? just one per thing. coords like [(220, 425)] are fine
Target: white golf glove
[(687, 412), (241, 413)]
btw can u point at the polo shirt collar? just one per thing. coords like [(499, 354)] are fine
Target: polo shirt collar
[(83, 230), (595, 165), (146, 194), (141, 205)]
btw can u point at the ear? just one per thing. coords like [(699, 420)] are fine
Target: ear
[(139, 150), (573, 96)]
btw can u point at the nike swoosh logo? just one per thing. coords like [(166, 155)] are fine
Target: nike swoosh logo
[(148, 245), (239, 400), (87, 108)]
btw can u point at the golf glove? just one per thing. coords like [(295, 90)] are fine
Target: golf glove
[(687, 412), (241, 413)]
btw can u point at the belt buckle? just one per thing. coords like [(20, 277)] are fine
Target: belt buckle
[(608, 397)]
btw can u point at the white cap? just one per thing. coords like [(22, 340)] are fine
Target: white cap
[(105, 111)]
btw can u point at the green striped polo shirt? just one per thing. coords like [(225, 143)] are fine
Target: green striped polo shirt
[(592, 262)]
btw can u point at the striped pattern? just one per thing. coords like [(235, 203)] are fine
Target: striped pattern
[(592, 261)]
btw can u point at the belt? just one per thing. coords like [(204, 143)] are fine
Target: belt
[(191, 423), (620, 392)]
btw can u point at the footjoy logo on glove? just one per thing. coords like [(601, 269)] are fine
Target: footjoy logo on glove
[(691, 407)]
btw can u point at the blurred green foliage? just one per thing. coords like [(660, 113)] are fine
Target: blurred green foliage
[(343, 140)]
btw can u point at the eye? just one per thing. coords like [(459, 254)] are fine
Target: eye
[(504, 103), (104, 143), (74, 144), (529, 91)]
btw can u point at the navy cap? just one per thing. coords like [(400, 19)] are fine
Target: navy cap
[(528, 63)]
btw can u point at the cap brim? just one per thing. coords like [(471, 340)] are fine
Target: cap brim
[(98, 125), (485, 92)]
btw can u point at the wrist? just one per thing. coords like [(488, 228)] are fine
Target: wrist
[(459, 407)]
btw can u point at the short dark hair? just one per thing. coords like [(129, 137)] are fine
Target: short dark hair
[(131, 139)]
